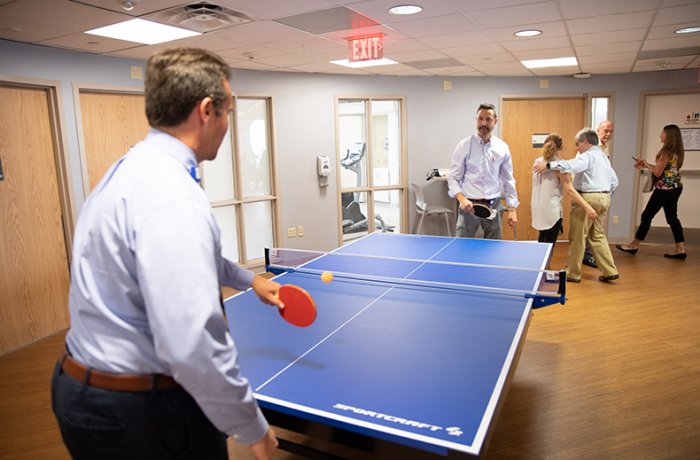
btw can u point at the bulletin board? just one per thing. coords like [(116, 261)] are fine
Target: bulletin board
[(691, 138)]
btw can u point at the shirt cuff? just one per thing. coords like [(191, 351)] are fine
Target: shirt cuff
[(253, 431)]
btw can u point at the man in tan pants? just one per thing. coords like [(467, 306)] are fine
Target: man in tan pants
[(595, 180)]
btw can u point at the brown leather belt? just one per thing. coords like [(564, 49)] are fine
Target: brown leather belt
[(116, 382)]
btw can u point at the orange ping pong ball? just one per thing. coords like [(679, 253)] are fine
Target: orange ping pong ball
[(327, 277)]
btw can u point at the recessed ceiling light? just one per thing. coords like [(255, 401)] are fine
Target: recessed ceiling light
[(582, 75), (142, 31), (362, 64), (405, 9), (528, 33), (555, 62), (687, 30)]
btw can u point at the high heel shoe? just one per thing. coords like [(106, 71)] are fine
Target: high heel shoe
[(679, 256), (627, 250)]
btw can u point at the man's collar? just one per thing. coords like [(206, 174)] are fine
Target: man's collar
[(484, 141)]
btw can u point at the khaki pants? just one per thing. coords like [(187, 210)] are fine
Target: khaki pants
[(582, 229)]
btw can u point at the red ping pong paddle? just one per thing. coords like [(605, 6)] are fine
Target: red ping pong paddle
[(484, 211), (299, 308)]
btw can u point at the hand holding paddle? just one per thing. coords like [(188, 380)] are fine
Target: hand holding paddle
[(484, 211), (295, 304), (267, 291), (479, 210)]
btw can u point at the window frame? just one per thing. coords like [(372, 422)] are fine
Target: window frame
[(369, 188), (239, 201)]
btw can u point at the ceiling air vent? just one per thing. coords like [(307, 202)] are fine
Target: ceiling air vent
[(201, 17)]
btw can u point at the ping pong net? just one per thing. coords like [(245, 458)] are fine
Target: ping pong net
[(545, 287)]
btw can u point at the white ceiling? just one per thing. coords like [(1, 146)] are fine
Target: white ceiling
[(448, 38)]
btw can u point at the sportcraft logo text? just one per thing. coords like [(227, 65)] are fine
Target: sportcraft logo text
[(452, 430)]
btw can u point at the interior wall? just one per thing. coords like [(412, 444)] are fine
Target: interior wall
[(304, 122)]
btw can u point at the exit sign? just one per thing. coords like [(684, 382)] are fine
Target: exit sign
[(366, 48)]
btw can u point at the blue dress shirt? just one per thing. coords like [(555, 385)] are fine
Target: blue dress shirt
[(592, 169), (145, 282)]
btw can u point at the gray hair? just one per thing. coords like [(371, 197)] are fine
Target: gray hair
[(587, 134)]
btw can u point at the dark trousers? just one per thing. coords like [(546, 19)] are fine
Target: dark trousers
[(120, 425), (668, 200), (550, 235)]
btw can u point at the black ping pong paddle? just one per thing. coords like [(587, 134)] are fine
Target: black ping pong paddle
[(484, 211)]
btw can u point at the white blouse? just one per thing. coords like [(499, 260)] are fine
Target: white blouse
[(546, 198)]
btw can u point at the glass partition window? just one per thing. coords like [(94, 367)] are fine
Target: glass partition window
[(386, 143), (599, 110), (253, 142), (239, 182), (258, 228), (371, 169), (352, 141)]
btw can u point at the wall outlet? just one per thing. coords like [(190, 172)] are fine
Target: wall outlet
[(291, 232), (616, 219), (300, 231)]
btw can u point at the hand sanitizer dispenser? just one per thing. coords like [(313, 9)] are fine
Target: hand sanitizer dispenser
[(323, 168)]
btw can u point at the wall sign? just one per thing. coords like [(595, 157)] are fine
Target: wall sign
[(538, 140), (366, 48), (691, 138)]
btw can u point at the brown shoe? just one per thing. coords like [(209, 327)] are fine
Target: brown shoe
[(608, 277)]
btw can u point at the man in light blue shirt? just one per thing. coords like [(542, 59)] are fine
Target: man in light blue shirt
[(594, 180), (151, 370), (481, 171)]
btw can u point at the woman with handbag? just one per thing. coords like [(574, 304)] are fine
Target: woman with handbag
[(667, 191)]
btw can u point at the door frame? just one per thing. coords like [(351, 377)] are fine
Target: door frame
[(59, 319), (66, 194)]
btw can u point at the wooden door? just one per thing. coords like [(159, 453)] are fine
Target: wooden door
[(34, 268), (519, 120), (111, 124)]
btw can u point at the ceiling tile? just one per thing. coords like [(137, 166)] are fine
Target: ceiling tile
[(678, 15), (589, 8), (611, 22), (607, 38), (516, 15)]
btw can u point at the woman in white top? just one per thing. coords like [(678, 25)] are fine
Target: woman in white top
[(547, 193)]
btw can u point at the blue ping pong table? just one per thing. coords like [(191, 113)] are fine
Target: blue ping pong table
[(407, 368)]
